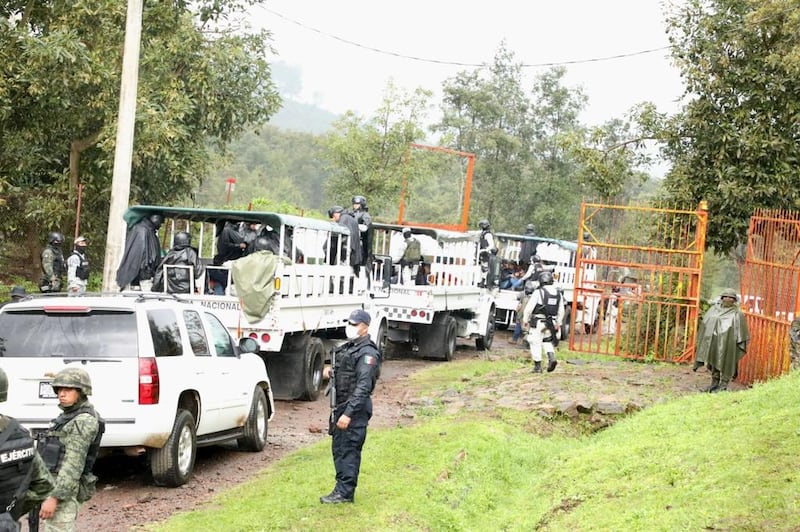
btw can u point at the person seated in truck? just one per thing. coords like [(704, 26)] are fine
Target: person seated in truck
[(230, 246), (179, 266)]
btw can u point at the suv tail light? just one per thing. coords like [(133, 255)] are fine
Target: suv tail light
[(149, 385)]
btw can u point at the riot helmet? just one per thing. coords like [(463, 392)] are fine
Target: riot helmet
[(530, 286), (73, 378), (3, 386), (336, 209), (536, 258), (360, 200), (182, 239), (546, 277), (156, 220), (262, 243), (530, 229), (55, 238), (484, 224)]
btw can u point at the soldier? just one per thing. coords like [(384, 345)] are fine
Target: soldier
[(24, 479), (357, 366), (542, 318), (794, 343), (722, 339), (528, 247), (53, 267), (69, 449), (338, 215), (180, 263), (78, 267), (409, 262), (364, 220)]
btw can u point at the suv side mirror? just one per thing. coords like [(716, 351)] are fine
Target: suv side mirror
[(248, 345)]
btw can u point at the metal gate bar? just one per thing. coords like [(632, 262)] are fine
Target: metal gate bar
[(637, 288)]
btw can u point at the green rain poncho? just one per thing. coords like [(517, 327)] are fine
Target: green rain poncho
[(254, 278), (722, 339)]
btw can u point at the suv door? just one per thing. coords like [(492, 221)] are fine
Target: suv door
[(234, 381)]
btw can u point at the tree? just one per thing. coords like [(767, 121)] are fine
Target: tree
[(367, 156), (200, 84), (735, 141)]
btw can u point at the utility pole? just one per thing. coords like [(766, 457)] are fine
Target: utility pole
[(123, 155)]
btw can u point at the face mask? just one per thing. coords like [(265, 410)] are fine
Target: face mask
[(351, 331)]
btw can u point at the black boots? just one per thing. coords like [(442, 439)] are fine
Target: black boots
[(551, 362), (697, 365), (715, 377), (537, 366)]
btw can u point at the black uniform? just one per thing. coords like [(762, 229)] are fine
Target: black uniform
[(357, 369)]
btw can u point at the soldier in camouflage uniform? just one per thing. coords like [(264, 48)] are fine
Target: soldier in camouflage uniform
[(53, 265), (794, 343), (69, 449), (24, 479)]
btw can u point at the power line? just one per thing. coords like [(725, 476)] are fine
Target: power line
[(458, 63)]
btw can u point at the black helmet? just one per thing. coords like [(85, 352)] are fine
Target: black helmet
[(546, 277), (536, 258), (530, 229), (360, 200), (484, 224), (335, 209), (262, 243), (182, 239), (156, 219), (18, 292), (55, 238)]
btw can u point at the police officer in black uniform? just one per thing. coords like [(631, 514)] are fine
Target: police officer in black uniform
[(364, 220), (356, 366), (24, 479)]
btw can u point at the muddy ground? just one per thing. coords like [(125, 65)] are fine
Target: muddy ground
[(592, 393)]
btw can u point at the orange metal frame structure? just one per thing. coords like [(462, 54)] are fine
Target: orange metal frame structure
[(640, 268), (770, 282), (463, 224)]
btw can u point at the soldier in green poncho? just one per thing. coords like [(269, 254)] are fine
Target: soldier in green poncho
[(254, 278), (722, 340)]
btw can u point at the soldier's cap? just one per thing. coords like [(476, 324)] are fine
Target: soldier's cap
[(18, 291), (406, 230), (80, 239), (359, 316)]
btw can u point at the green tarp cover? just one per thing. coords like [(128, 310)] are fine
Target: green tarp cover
[(254, 278)]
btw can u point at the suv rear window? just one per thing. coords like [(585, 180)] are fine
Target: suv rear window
[(93, 334)]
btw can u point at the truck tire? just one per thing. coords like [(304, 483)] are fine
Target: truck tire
[(449, 338), (484, 343), (383, 339), (172, 465), (314, 360), (254, 438)]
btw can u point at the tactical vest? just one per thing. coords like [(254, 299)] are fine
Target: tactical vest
[(82, 271), (59, 267), (16, 460), (345, 372), (549, 304), (413, 251), (484, 240), (52, 448)]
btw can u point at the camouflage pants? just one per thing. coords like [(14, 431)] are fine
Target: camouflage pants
[(794, 344), (64, 518)]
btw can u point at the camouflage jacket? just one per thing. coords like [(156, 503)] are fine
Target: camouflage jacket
[(40, 485), (77, 435)]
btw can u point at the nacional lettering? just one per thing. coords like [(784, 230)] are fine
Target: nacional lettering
[(220, 305), (16, 455)]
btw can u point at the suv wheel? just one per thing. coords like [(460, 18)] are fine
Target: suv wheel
[(173, 464), (255, 430)]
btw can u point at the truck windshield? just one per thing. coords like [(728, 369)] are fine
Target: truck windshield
[(97, 334)]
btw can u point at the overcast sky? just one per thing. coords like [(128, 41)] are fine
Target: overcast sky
[(340, 76)]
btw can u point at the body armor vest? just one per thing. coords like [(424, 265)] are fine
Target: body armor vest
[(550, 302), (16, 460), (345, 372), (52, 448), (413, 252), (82, 271), (484, 241), (59, 265)]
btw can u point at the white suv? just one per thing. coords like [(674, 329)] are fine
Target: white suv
[(166, 375)]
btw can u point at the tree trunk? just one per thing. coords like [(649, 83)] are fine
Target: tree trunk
[(75, 149)]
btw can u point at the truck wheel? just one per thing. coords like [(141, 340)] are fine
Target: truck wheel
[(382, 339), (255, 429), (484, 343), (314, 359), (449, 344), (172, 464)]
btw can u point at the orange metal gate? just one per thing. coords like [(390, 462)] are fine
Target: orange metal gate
[(769, 288), (637, 288)]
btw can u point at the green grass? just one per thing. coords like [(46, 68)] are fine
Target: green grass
[(716, 462)]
